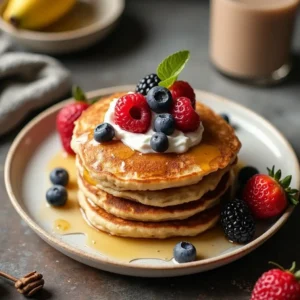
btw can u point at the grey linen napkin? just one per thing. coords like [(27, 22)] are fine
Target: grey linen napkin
[(27, 82)]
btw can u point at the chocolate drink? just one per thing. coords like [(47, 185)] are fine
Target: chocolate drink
[(251, 39)]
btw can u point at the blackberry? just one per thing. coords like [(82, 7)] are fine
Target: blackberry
[(237, 221), (147, 83)]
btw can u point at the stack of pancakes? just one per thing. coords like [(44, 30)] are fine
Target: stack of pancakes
[(127, 193)]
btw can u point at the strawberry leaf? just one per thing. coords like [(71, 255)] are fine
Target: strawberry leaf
[(277, 175), (293, 191), (277, 265), (78, 93), (293, 200), (293, 267), (271, 171), (297, 275), (285, 182)]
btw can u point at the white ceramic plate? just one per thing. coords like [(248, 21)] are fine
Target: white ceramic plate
[(88, 22), (26, 182)]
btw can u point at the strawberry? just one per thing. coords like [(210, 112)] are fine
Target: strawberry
[(278, 284), (267, 195), (67, 116)]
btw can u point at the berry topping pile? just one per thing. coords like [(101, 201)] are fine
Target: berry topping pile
[(147, 83), (278, 284), (160, 103), (132, 113)]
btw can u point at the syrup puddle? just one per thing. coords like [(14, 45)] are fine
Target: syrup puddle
[(69, 220)]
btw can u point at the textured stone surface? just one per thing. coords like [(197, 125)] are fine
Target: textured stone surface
[(148, 31)]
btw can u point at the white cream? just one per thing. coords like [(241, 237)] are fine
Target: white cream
[(179, 142)]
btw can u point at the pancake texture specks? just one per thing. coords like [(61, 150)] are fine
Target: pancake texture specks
[(136, 211), (161, 198), (113, 225)]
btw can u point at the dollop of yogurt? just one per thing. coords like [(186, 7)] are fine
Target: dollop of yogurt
[(179, 142)]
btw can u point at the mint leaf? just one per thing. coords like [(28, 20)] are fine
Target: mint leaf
[(168, 82), (169, 69)]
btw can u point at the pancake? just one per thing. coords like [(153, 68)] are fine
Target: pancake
[(166, 197), (104, 221), (130, 210), (115, 165)]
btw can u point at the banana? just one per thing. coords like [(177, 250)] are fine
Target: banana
[(36, 14)]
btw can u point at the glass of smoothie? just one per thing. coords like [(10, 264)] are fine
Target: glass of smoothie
[(251, 40)]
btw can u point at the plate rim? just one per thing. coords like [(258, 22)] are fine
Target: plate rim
[(53, 240), (97, 26)]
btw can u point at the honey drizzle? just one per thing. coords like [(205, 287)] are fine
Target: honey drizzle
[(69, 220), (203, 155)]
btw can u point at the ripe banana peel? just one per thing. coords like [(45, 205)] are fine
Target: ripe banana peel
[(36, 14)]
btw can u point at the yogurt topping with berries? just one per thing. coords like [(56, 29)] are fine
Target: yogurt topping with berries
[(179, 142)]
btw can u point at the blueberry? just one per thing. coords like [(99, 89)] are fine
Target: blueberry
[(225, 117), (104, 133), (184, 252), (159, 99), (159, 142), (246, 173), (59, 176), (164, 123), (57, 195)]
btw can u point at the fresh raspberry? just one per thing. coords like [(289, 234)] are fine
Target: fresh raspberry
[(267, 195), (186, 118), (183, 89), (132, 113), (65, 122), (277, 284)]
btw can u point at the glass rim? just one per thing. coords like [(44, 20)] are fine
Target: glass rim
[(263, 6)]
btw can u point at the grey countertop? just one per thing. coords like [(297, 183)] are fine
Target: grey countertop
[(148, 31)]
